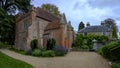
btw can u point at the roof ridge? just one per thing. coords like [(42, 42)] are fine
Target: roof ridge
[(97, 28), (38, 8)]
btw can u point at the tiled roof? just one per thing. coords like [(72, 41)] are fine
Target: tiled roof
[(95, 29), (54, 20), (45, 15), (53, 25)]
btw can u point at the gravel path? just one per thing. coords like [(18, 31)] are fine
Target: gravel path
[(71, 60)]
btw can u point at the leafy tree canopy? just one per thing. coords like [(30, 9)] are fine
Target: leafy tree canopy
[(51, 9), (81, 26), (11, 6), (111, 24), (8, 8)]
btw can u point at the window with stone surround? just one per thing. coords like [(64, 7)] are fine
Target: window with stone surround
[(25, 23)]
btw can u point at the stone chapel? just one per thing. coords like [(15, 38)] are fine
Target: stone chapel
[(41, 25)]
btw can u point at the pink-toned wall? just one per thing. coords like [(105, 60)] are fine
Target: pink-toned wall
[(32, 27)]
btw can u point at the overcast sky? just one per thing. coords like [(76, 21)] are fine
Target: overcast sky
[(93, 11)]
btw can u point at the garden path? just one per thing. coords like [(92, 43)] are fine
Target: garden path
[(71, 60)]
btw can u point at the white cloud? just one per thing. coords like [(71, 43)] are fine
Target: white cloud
[(86, 10)]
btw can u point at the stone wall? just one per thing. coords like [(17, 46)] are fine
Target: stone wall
[(42, 25), (109, 34), (30, 27), (21, 33)]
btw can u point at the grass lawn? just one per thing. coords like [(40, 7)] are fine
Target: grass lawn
[(8, 62)]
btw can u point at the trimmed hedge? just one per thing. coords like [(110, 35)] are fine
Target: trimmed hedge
[(37, 52), (41, 52), (88, 40), (111, 51), (48, 53)]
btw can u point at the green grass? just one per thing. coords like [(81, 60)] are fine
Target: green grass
[(8, 62)]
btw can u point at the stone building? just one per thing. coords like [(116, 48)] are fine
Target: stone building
[(98, 30), (41, 25)]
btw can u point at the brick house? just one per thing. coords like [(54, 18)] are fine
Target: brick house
[(41, 25)]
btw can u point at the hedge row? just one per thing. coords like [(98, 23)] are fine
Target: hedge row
[(82, 40), (111, 51)]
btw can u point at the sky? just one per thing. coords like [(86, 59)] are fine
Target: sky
[(93, 11)]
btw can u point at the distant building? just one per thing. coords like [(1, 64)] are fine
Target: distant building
[(41, 25), (98, 30)]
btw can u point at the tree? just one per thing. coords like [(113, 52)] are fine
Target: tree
[(11, 6), (81, 26), (79, 41), (114, 33), (111, 24), (8, 9), (51, 9)]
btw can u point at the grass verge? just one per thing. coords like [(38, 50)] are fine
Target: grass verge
[(9, 62)]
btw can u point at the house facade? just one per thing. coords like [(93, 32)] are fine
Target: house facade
[(41, 25), (97, 30)]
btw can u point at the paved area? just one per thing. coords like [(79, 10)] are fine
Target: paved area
[(71, 60)]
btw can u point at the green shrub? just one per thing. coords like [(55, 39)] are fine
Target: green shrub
[(116, 65), (115, 52), (29, 52), (85, 47), (50, 44), (88, 40), (42, 49), (90, 47), (100, 50), (111, 51), (37, 52), (34, 44), (48, 53), (106, 52), (79, 41)]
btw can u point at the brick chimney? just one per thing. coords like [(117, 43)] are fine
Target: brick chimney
[(102, 23), (88, 24)]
